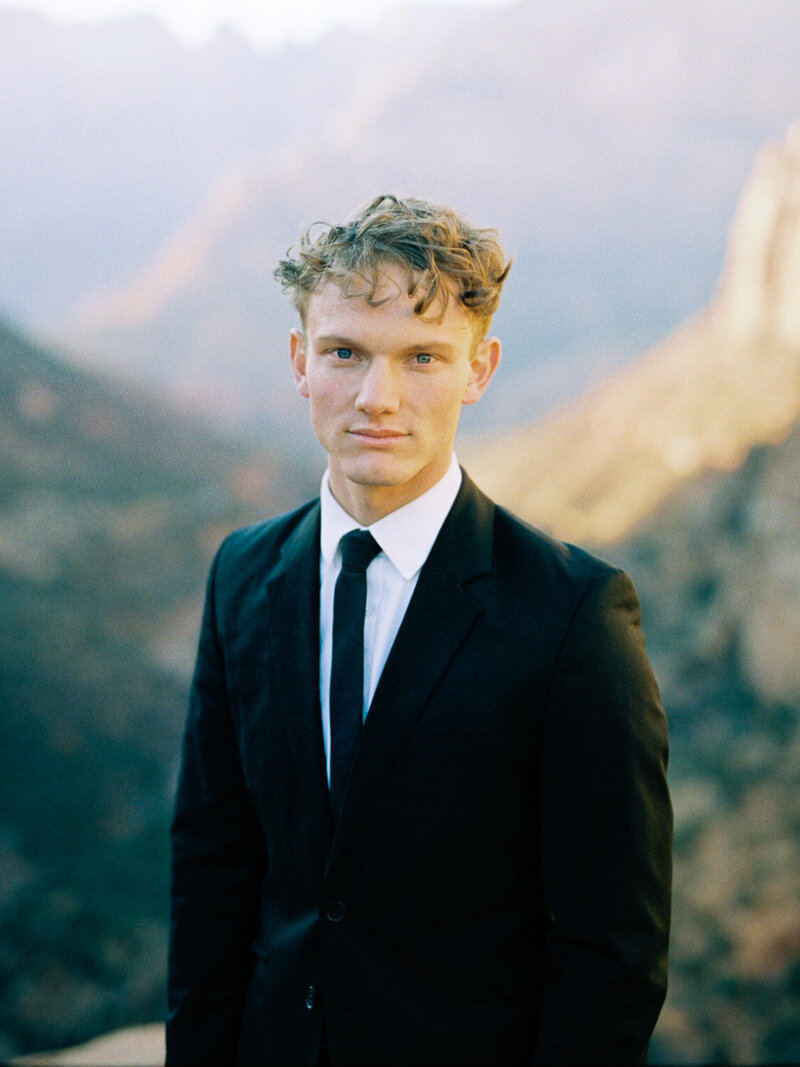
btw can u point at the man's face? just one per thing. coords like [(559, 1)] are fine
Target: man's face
[(386, 388)]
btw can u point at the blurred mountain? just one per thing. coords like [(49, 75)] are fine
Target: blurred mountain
[(722, 383), (718, 572), (608, 142), (110, 509), (113, 132)]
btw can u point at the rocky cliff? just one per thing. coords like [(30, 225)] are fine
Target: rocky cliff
[(759, 293), (717, 572), (721, 384)]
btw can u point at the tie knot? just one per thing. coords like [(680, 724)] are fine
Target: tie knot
[(358, 549)]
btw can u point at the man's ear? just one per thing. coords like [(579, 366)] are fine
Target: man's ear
[(297, 351), (484, 362)]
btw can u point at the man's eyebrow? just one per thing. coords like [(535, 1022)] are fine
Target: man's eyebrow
[(439, 345), (335, 340)]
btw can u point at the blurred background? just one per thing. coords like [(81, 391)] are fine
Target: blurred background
[(642, 163)]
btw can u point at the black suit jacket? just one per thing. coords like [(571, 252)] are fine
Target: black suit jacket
[(496, 890)]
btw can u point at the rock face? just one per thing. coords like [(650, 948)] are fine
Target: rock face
[(721, 384), (718, 573), (759, 294)]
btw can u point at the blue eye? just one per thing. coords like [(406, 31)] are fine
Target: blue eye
[(424, 357), (344, 353)]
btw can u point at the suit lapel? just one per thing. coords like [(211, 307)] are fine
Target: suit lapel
[(293, 613), (440, 605)]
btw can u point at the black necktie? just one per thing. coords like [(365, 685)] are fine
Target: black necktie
[(358, 549)]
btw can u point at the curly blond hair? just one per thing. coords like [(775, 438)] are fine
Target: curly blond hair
[(440, 252)]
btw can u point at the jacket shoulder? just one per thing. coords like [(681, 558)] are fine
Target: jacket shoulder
[(528, 579), (516, 542), (252, 551)]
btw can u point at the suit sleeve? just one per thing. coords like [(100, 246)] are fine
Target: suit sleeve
[(218, 861), (606, 837)]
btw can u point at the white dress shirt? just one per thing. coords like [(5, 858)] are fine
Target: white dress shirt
[(405, 537)]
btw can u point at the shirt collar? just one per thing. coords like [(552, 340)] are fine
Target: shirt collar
[(406, 535)]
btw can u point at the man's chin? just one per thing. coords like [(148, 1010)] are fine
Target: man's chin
[(379, 474)]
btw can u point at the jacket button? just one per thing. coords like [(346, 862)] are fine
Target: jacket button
[(334, 911), (311, 998)]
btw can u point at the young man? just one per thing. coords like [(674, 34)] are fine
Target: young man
[(422, 816)]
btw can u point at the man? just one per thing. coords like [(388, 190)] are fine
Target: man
[(422, 815)]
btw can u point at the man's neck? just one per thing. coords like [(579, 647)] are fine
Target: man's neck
[(369, 503)]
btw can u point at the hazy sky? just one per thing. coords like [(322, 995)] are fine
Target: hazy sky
[(264, 21)]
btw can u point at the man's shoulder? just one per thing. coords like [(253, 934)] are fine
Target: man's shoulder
[(519, 539), (544, 578), (549, 547), (257, 547), (529, 573)]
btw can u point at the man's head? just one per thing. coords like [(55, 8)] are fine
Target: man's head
[(440, 254), (394, 309)]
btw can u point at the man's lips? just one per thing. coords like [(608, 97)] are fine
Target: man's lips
[(377, 435)]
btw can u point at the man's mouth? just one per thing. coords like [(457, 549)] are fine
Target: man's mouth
[(377, 435)]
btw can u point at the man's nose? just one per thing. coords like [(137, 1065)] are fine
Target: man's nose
[(379, 389)]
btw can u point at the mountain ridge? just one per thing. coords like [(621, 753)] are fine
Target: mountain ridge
[(721, 384)]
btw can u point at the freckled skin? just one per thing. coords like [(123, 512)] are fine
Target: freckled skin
[(386, 387)]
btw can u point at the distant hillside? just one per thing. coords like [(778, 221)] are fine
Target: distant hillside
[(110, 509), (113, 132), (717, 571), (724, 382), (95, 475), (607, 141)]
